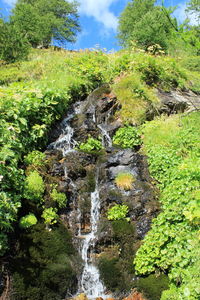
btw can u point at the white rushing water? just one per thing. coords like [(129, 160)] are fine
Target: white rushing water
[(65, 141), (91, 284), (106, 139)]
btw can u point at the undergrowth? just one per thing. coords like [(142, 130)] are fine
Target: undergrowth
[(172, 245)]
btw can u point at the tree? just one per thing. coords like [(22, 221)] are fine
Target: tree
[(43, 21), (146, 24), (193, 7), (13, 44)]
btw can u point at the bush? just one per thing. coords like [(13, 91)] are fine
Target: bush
[(35, 158), (91, 145), (59, 198), (135, 98), (43, 267), (127, 137), (50, 216), (13, 45), (118, 212), (28, 221), (124, 181), (34, 186)]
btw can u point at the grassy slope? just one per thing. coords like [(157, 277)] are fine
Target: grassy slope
[(36, 93)]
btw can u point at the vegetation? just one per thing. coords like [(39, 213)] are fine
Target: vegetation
[(41, 21), (124, 181), (91, 145), (28, 221), (35, 94), (127, 137), (118, 212), (172, 244), (146, 23), (42, 266), (34, 187), (60, 198)]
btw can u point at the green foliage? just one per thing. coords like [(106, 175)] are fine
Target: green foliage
[(50, 216), (135, 97), (44, 264), (117, 212), (35, 158), (111, 273), (28, 221), (172, 243), (193, 7), (34, 187), (13, 45), (163, 72), (91, 145), (145, 23), (59, 198), (41, 21), (127, 137), (153, 286)]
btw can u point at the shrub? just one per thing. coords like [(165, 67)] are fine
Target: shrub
[(34, 186), (35, 158), (59, 198), (135, 98), (28, 221), (50, 216), (127, 137), (117, 212), (124, 181), (91, 145)]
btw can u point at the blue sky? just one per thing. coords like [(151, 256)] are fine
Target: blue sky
[(98, 19)]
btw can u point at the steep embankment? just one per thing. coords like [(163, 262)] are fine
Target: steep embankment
[(34, 96)]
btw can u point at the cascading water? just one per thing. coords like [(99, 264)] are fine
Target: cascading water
[(65, 142), (91, 284), (106, 139)]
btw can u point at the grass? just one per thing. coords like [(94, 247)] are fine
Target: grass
[(125, 181)]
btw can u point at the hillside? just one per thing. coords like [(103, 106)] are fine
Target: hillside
[(144, 124)]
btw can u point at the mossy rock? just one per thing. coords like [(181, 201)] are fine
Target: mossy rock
[(153, 286), (123, 230)]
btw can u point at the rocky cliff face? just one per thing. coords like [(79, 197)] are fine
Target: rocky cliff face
[(112, 244)]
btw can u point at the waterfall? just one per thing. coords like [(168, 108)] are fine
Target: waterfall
[(106, 139), (65, 141), (91, 284)]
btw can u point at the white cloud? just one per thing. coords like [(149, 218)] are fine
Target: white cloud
[(9, 2), (100, 11), (181, 14)]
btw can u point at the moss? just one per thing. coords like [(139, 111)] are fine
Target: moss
[(110, 273), (42, 267), (123, 230), (153, 286)]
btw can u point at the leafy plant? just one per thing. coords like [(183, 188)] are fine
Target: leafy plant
[(28, 221), (91, 145), (124, 181), (127, 137), (173, 241), (117, 212), (59, 198), (34, 186), (50, 216), (35, 158)]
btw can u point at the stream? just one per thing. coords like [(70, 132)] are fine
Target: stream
[(89, 180)]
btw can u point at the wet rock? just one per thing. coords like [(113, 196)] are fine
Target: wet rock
[(114, 171), (123, 157), (176, 101), (135, 296)]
